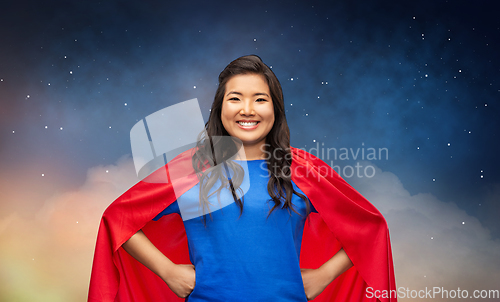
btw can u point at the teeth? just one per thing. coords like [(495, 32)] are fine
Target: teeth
[(247, 123)]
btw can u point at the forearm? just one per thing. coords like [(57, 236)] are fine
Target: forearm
[(143, 250), (336, 265)]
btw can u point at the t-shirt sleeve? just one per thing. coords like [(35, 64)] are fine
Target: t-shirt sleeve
[(171, 209)]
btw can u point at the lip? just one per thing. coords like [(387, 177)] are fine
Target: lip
[(247, 127)]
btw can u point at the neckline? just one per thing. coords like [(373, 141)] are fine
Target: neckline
[(247, 160)]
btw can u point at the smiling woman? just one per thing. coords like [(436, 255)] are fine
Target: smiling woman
[(299, 232)]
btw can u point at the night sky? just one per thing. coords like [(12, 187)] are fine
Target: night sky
[(418, 78)]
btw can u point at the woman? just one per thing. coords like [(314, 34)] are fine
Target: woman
[(251, 249)]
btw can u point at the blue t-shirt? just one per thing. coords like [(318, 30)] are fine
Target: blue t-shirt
[(251, 257)]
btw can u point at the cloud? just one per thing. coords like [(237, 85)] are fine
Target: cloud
[(434, 243), (48, 256)]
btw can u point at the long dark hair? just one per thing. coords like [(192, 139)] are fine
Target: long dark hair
[(211, 148)]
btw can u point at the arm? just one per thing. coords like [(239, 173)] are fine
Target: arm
[(316, 280), (180, 278)]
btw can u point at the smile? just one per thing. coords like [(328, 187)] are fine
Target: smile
[(247, 125)]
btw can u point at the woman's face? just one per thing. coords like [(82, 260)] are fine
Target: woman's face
[(247, 109)]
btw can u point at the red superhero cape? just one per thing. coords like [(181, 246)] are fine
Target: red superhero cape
[(344, 219)]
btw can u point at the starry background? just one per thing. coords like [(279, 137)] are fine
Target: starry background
[(420, 78)]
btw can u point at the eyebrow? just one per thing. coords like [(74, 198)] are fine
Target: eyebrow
[(239, 93)]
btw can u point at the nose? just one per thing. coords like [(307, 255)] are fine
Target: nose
[(247, 108)]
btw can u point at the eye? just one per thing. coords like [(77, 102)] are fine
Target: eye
[(234, 99), (261, 100)]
